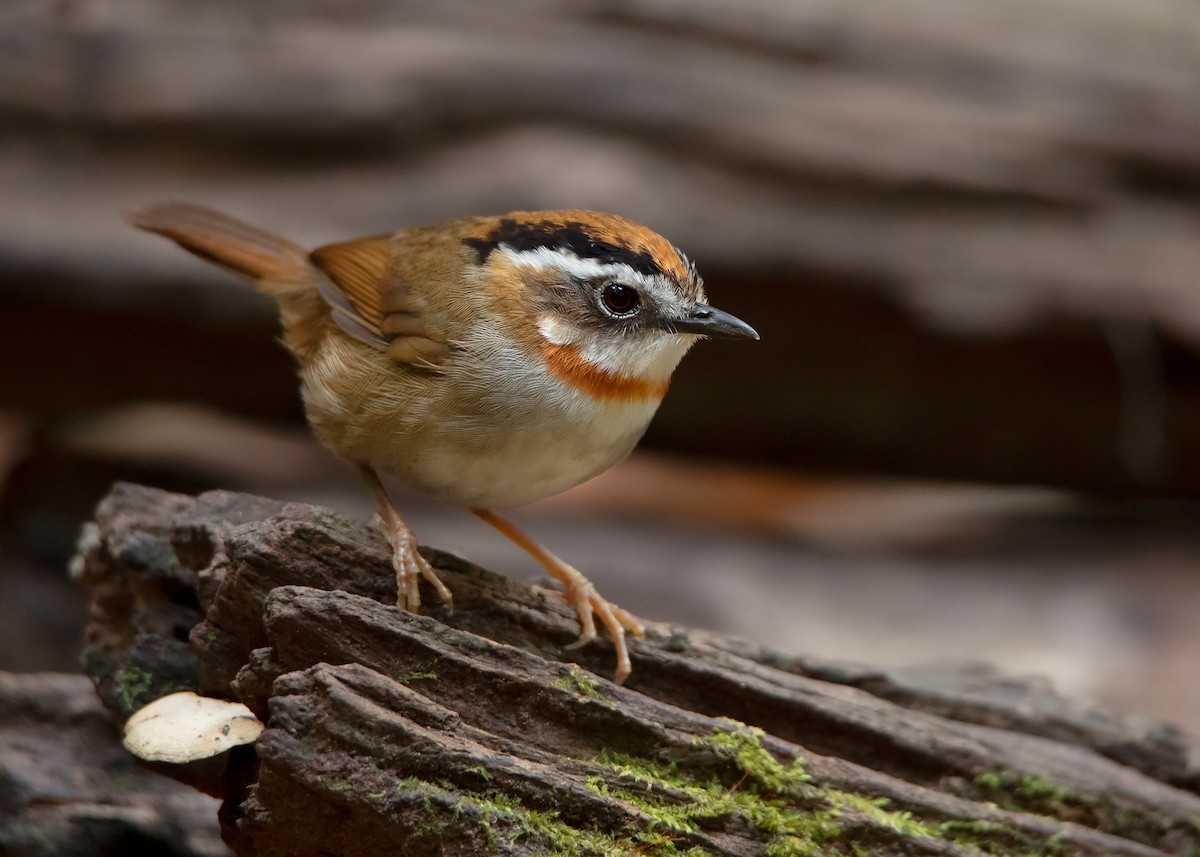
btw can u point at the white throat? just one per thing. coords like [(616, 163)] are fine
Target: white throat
[(650, 356)]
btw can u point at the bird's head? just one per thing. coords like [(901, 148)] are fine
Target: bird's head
[(599, 295)]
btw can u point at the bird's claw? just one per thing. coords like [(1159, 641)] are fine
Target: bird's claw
[(410, 567), (581, 595)]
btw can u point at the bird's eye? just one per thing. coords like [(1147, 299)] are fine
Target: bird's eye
[(620, 299)]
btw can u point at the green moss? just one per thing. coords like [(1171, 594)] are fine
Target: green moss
[(422, 676), (563, 840), (986, 837), (1023, 792), (873, 809), (991, 837), (797, 817), (504, 820), (744, 744), (580, 682), (1030, 789), (133, 688), (489, 834), (738, 778), (767, 794)]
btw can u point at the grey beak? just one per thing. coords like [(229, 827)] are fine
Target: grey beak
[(710, 321)]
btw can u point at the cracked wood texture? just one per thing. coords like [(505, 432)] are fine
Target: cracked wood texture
[(473, 732)]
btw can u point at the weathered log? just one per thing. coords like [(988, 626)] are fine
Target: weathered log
[(464, 732)]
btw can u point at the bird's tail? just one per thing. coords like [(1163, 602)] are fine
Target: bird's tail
[(278, 266)]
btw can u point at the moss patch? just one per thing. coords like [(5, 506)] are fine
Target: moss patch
[(874, 810), (504, 821), (421, 676), (1022, 792), (733, 783), (134, 688), (794, 816), (580, 682), (773, 798)]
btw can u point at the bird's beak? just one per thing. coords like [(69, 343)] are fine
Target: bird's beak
[(710, 321)]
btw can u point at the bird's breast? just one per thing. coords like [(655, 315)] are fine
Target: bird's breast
[(497, 428), (567, 364)]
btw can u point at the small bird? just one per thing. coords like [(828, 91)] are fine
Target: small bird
[(486, 362)]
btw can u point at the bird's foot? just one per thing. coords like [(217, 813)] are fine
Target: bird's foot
[(410, 567), (580, 594)]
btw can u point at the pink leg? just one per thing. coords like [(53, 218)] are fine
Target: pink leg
[(579, 593), (406, 559)]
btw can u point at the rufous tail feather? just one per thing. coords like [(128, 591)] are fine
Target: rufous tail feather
[(278, 265)]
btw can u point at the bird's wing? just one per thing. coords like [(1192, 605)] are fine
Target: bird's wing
[(373, 305)]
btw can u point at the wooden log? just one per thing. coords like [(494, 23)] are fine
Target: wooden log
[(475, 731)]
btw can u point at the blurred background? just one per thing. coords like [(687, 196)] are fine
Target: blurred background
[(969, 235)]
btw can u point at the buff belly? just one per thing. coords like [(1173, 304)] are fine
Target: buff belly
[(537, 461), (492, 435)]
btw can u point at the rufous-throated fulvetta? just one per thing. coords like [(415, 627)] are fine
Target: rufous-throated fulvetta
[(487, 361)]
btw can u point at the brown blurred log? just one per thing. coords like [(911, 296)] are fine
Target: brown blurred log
[(68, 788), (969, 234), (462, 733)]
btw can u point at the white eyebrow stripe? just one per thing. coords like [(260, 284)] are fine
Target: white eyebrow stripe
[(563, 260)]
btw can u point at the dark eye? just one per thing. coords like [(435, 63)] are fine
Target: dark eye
[(620, 299)]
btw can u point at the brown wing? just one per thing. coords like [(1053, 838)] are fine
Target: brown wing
[(369, 303)]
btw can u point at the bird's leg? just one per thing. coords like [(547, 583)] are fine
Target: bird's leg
[(406, 559), (579, 593)]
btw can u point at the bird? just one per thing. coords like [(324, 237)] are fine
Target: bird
[(486, 362)]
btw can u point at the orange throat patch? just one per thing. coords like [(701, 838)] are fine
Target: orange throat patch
[(567, 364)]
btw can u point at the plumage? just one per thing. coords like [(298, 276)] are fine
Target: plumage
[(587, 235), (487, 361), (357, 269), (567, 363)]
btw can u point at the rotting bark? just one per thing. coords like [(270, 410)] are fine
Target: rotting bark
[(465, 733)]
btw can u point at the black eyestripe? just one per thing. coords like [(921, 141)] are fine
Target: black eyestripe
[(572, 236)]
